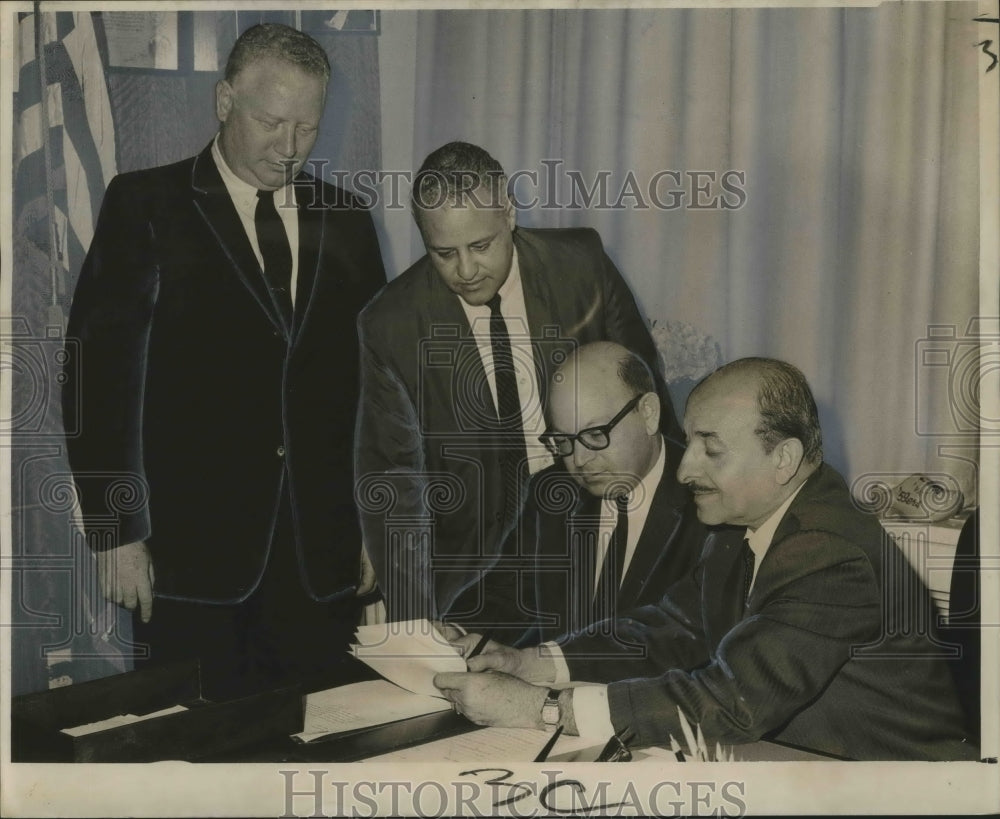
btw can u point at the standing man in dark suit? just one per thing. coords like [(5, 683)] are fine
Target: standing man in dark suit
[(457, 354), (628, 530), (798, 626), (218, 381)]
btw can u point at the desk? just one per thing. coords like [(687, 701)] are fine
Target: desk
[(436, 735)]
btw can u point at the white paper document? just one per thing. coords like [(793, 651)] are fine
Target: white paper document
[(407, 653), (118, 720), (361, 705)]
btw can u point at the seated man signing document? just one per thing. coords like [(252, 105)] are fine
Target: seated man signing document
[(788, 628)]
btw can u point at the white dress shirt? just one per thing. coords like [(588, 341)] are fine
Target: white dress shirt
[(590, 702), (244, 197), (515, 315)]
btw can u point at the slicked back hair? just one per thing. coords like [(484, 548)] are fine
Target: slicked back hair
[(635, 374), (280, 42), (785, 403), (458, 174)]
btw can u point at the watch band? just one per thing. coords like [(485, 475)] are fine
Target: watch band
[(550, 710)]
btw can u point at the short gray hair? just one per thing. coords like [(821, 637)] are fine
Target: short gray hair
[(280, 42), (785, 403), (454, 171)]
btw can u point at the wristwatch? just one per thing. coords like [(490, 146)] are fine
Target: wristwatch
[(550, 709)]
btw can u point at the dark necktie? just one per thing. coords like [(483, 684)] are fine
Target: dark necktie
[(277, 253), (514, 456), (748, 564), (609, 581)]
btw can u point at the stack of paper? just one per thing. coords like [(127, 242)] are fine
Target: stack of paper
[(362, 705), (408, 653), (118, 721)]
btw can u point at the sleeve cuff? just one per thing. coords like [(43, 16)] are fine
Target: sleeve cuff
[(592, 712), (562, 668)]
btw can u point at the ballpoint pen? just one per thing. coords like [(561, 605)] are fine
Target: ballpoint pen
[(616, 749), (481, 644), (547, 749)]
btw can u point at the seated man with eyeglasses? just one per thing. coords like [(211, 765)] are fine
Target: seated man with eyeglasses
[(607, 527)]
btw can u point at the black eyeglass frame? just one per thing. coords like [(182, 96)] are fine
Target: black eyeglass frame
[(549, 438)]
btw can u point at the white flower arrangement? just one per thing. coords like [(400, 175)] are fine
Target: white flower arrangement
[(697, 749), (685, 352)]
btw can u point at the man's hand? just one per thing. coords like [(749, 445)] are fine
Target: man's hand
[(452, 634), (493, 698), (534, 665), (366, 575), (126, 577)]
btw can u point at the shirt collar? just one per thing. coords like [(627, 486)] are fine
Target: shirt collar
[(242, 193), (760, 539), (646, 488), (510, 291)]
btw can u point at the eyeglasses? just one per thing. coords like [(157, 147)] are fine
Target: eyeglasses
[(561, 444)]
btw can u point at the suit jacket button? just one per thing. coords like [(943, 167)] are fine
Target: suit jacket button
[(281, 451)]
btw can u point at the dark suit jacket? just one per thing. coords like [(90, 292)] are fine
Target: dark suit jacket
[(668, 547), (429, 455), (833, 651), (192, 396)]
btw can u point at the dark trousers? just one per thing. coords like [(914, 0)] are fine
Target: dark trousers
[(278, 636)]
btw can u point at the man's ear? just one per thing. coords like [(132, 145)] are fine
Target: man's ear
[(509, 212), (787, 457), (649, 408), (223, 100)]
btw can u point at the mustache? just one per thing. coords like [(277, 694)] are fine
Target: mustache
[(697, 487)]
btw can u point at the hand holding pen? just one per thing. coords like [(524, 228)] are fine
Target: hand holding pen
[(478, 647), (472, 645)]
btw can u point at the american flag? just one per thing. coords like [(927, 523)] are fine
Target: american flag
[(63, 160), (64, 138)]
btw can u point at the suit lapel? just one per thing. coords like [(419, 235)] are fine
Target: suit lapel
[(586, 516), (216, 207), (726, 567), (468, 387), (662, 525), (547, 348), (312, 225)]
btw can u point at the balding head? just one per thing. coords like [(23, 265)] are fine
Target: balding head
[(783, 399), (749, 427), (589, 391)]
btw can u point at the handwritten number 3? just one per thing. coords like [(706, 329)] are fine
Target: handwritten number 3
[(524, 789)]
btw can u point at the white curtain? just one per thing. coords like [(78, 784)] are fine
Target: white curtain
[(857, 132)]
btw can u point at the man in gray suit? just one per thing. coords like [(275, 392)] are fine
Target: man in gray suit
[(457, 353), (613, 527), (793, 626)]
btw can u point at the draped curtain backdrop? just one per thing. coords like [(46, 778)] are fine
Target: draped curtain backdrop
[(857, 133)]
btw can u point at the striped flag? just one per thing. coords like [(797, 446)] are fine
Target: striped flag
[(64, 139), (63, 160)]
